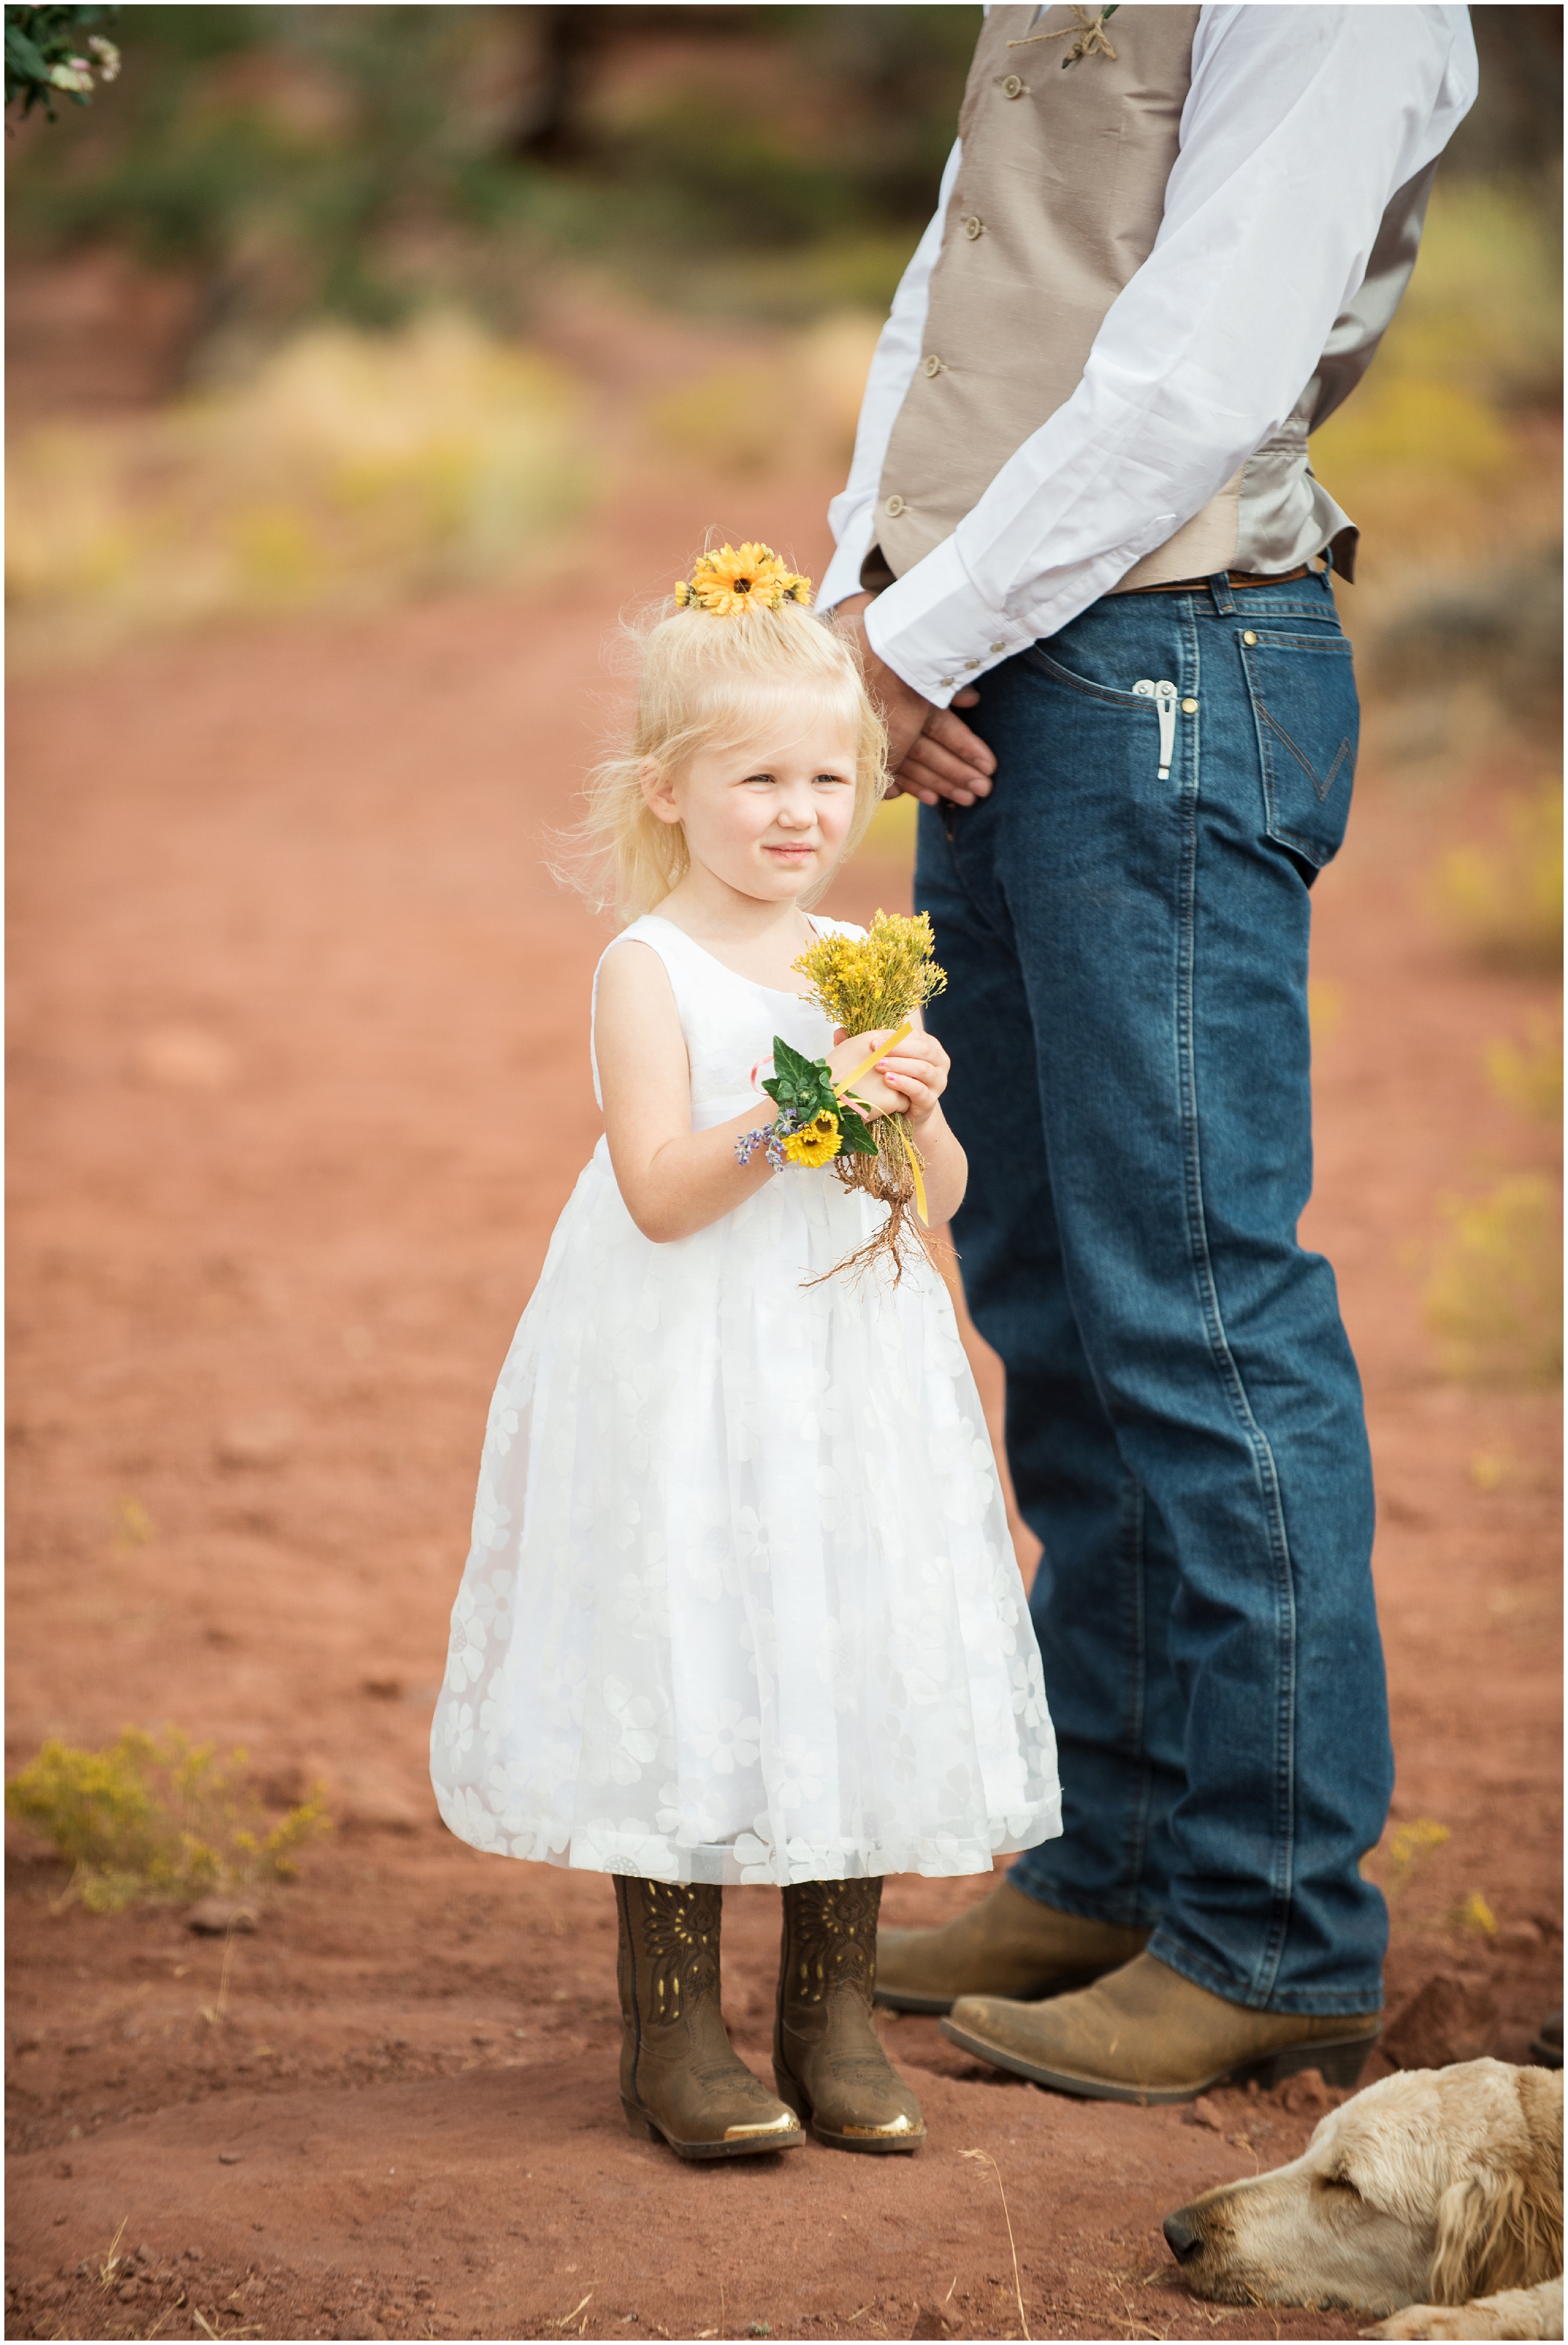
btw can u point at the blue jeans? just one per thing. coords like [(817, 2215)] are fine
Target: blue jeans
[(1127, 1016)]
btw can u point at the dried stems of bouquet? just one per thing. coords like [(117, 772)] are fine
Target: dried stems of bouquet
[(868, 984)]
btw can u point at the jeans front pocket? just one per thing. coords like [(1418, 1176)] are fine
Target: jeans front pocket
[(1307, 717)]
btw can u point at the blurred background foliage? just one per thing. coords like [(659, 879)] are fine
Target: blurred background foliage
[(364, 160), (285, 305)]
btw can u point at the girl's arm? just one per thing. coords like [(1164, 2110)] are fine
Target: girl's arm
[(675, 1181)]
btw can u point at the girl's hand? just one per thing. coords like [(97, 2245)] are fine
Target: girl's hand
[(909, 1081)]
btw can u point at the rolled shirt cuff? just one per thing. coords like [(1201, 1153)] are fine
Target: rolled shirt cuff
[(935, 630)]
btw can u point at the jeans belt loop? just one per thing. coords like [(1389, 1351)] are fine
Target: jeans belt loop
[(1219, 587)]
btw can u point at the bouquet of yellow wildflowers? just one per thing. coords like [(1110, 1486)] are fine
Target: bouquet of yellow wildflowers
[(865, 984)]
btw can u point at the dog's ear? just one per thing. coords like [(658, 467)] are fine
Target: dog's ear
[(1495, 2229)]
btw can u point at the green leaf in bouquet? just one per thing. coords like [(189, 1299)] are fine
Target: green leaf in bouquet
[(854, 1135), (790, 1063), (780, 1088), (798, 1082)]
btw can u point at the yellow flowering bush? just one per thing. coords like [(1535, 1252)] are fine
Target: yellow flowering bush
[(156, 1817)]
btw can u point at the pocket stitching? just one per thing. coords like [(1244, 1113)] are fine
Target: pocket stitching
[(1343, 751), (1276, 639), (1081, 683), (1269, 730)]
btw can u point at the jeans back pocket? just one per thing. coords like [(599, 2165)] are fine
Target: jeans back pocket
[(1304, 706)]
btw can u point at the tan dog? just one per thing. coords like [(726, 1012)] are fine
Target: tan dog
[(1427, 2191)]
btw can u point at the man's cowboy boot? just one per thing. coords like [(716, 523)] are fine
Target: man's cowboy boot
[(1145, 2033), (1006, 1945), (681, 2080), (828, 2060)]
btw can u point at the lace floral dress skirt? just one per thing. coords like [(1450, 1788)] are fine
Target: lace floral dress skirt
[(741, 1603)]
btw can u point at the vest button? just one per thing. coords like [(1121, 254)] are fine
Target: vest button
[(1013, 86), (895, 506), (931, 366), (973, 226)]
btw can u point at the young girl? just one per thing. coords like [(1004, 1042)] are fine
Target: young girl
[(742, 1605)]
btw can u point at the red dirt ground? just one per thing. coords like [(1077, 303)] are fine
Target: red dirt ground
[(299, 1085)]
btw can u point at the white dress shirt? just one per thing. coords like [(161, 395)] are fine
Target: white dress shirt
[(1300, 126)]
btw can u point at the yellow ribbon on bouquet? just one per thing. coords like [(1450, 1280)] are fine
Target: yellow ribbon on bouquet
[(856, 1075)]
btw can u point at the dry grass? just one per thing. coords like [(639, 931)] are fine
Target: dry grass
[(796, 407), (1528, 1074), (1495, 1298), (352, 467), (1505, 901)]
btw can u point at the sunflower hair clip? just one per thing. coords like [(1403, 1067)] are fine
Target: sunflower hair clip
[(738, 579)]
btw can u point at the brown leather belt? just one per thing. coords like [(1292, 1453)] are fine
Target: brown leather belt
[(1242, 578)]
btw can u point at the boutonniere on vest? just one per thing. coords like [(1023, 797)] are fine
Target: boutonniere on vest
[(1090, 32), (864, 984)]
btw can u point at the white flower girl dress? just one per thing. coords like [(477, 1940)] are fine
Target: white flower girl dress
[(742, 1603)]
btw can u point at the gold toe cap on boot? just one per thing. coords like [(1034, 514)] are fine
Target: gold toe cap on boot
[(675, 2129), (829, 2063), (837, 2115), (682, 2081), (786, 2122), (1145, 2033)]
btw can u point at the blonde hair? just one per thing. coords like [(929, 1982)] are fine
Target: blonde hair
[(705, 682)]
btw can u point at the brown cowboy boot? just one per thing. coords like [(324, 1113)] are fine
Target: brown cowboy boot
[(681, 2080), (828, 2060), (1006, 1945), (1145, 2034)]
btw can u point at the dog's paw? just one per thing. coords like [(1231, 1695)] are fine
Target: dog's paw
[(1437, 2320), (1420, 2321), (1512, 2312)]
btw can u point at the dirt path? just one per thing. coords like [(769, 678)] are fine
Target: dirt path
[(299, 1085)]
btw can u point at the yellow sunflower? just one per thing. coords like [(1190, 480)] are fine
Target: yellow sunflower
[(816, 1142), (738, 579)]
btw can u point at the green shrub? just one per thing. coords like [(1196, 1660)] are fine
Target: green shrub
[(156, 1817)]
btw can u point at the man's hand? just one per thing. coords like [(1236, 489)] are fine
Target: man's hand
[(932, 752)]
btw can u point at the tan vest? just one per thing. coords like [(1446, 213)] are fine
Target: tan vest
[(1058, 199)]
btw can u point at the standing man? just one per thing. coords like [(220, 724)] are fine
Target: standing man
[(1080, 509)]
